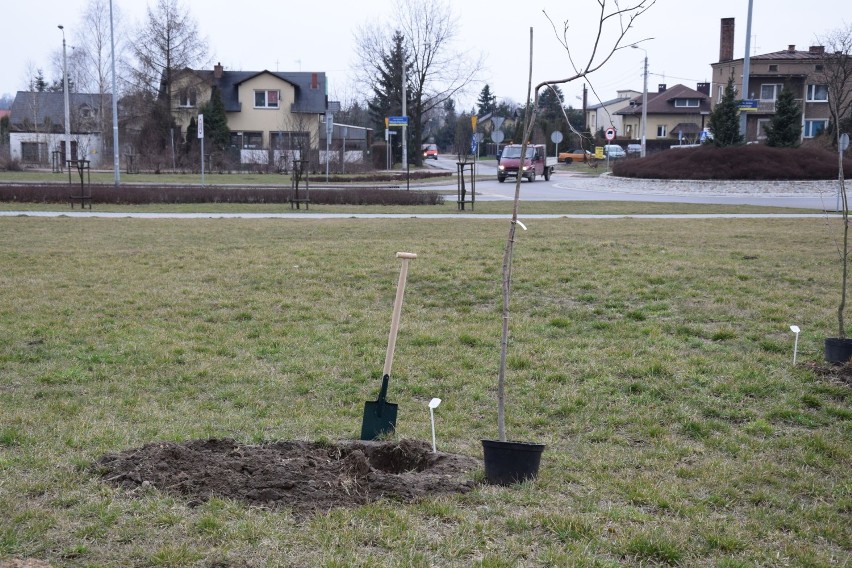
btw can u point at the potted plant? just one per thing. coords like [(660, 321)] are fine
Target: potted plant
[(836, 75), (839, 349), (508, 462)]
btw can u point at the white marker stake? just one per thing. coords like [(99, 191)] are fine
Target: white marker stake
[(433, 404), (795, 329)]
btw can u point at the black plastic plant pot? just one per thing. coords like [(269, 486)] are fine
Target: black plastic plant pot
[(838, 349), (507, 463)]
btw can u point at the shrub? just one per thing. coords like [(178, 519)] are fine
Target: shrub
[(750, 162), (144, 194)]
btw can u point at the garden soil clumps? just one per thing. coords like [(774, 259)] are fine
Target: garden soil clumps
[(304, 476)]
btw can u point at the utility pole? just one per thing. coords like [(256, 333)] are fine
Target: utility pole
[(405, 125), (67, 104), (115, 159), (746, 64), (644, 126)]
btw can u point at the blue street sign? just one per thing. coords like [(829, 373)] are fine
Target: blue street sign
[(748, 104), (473, 144), (397, 121)]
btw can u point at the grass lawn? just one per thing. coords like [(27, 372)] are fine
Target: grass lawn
[(652, 357)]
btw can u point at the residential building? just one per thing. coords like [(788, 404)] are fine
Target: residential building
[(674, 113), (799, 71), (603, 115), (271, 115), (37, 127)]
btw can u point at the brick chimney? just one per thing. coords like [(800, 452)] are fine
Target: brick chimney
[(817, 50), (217, 71), (726, 40), (791, 48), (661, 88)]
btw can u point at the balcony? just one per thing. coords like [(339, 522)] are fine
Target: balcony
[(768, 107)]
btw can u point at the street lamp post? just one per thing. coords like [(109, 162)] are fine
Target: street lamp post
[(644, 102), (65, 89)]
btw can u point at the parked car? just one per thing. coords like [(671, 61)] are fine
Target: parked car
[(430, 151), (579, 155), (614, 151), (634, 149)]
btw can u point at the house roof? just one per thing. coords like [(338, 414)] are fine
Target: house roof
[(308, 99), (38, 108), (608, 103), (663, 102), (686, 128)]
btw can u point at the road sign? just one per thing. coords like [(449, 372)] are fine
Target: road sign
[(200, 126), (748, 105), (497, 136), (473, 120), (479, 137), (556, 137), (610, 133), (473, 145), (497, 121), (397, 120)]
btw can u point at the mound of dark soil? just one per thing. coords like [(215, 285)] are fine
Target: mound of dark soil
[(304, 476), (833, 373), (750, 162)]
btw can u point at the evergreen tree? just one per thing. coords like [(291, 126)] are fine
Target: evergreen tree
[(446, 134), (387, 91), (191, 141), (785, 128), (486, 102), (724, 121), (550, 103), (38, 83), (216, 129)]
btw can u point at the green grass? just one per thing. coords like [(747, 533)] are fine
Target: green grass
[(652, 357), (449, 207)]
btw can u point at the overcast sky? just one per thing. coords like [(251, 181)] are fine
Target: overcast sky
[(288, 35)]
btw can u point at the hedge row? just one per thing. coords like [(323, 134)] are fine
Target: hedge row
[(145, 194)]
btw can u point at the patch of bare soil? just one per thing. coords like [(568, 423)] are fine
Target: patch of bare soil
[(841, 374), (304, 476)]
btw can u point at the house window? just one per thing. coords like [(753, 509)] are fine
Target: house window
[(247, 140), (818, 67), (266, 99), (662, 131), (187, 97), (687, 103), (721, 94), (762, 123), (817, 93), (34, 152), (769, 92), (814, 128), (773, 68), (290, 140)]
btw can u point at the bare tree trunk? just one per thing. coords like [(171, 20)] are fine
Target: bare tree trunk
[(507, 266), (845, 204)]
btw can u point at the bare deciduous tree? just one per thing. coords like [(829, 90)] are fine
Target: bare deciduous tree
[(618, 15), (438, 72), (167, 42), (837, 76)]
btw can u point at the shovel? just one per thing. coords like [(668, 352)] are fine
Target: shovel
[(380, 415)]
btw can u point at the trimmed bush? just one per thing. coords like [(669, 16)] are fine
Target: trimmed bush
[(145, 194), (750, 162)]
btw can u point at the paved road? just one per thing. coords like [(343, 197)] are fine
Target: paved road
[(570, 186)]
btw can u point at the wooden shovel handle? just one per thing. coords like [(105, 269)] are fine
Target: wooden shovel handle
[(397, 308)]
